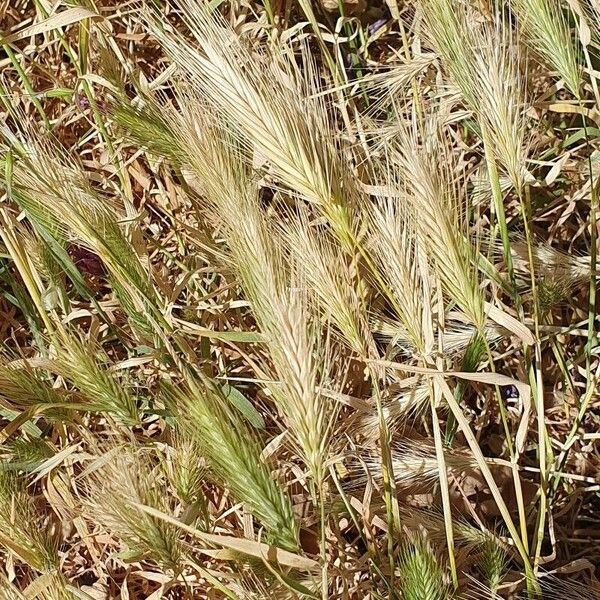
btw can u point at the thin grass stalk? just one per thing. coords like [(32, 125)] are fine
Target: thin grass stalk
[(499, 203), (444, 489), (473, 355), (353, 515), (471, 440), (318, 497), (512, 452), (536, 383), (498, 198), (387, 469), (591, 333), (307, 9), (208, 575), (27, 85), (591, 379), (572, 435)]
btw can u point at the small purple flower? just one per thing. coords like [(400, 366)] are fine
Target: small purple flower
[(510, 392), (376, 26), (83, 102)]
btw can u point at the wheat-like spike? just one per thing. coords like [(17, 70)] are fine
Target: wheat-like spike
[(437, 210), (146, 124), (385, 85), (57, 194), (22, 387), (186, 468), (83, 365), (555, 588), (552, 263), (331, 279), (26, 454), (456, 335), (404, 405), (432, 519), (421, 576), (414, 464), (419, 465), (393, 246), (546, 26), (216, 165), (23, 531), (486, 64), (128, 475), (493, 563), (301, 363), (233, 453), (266, 98)]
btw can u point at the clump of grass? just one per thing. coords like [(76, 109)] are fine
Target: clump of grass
[(270, 102), (245, 213), (210, 151), (54, 192)]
